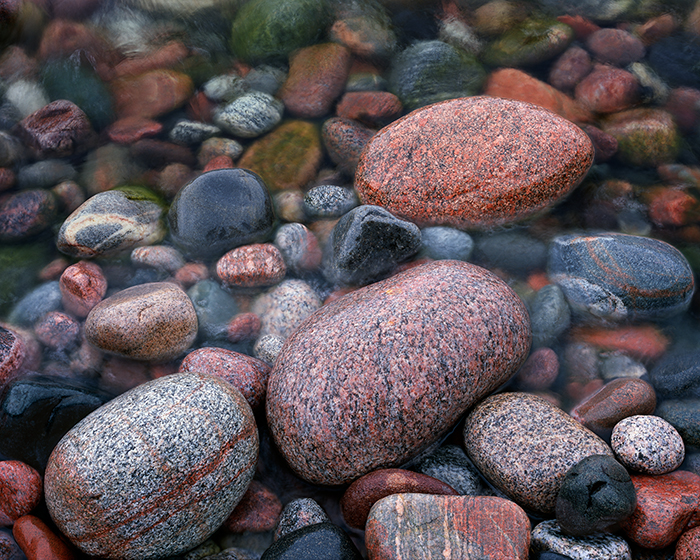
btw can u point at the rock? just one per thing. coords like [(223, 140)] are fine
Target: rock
[(160, 257), (157, 154), (45, 174), (644, 342), (498, 437), (136, 478), (539, 371), (362, 494), (329, 201), (513, 251), (252, 266), (608, 90), (257, 512), (465, 526), (214, 147), (214, 307), (268, 347), (688, 545), (83, 285), (299, 513), (613, 276), (372, 108), (344, 140), (596, 493), (151, 94), (243, 327), (317, 383), (605, 144), (37, 540), (321, 541), (26, 213), (221, 210), (154, 322), (461, 145), (366, 30), (441, 243), (13, 352), (550, 315), (548, 536), (192, 133), (684, 416), (570, 68), (250, 115), (615, 366), (451, 465), (675, 59), (57, 331), (283, 308), (299, 248), (9, 547), (112, 222), (20, 491), (41, 300), (647, 444), (615, 46), (677, 376)]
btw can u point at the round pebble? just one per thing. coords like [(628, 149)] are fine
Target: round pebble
[(20, 491), (57, 330), (329, 201), (299, 247), (283, 308), (252, 266), (647, 444), (83, 285), (441, 242), (250, 115), (214, 307)]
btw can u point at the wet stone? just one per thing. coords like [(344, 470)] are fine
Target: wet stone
[(258, 511), (615, 366), (570, 68), (283, 308), (608, 90), (645, 342), (299, 247), (205, 441), (675, 60), (321, 541), (20, 491), (156, 154), (219, 147), (250, 115), (677, 376), (252, 266), (13, 352), (160, 257), (615, 46), (547, 536), (45, 174), (83, 285), (192, 133), (151, 94), (688, 545), (299, 513), (26, 213), (329, 201), (37, 540), (372, 108), (684, 416), (214, 307), (451, 465), (647, 444), (513, 251), (539, 371), (41, 300), (550, 315), (344, 140), (9, 547), (57, 330), (441, 242)]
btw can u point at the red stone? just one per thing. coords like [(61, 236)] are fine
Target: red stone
[(608, 90), (83, 285), (244, 326), (373, 108), (20, 491), (667, 506), (166, 56), (605, 144), (252, 266), (16, 64), (657, 28), (344, 140), (219, 162), (362, 494), (158, 153), (12, 355), (133, 129), (38, 542), (57, 330), (200, 108), (258, 511), (688, 545), (615, 46), (61, 38), (539, 371), (151, 94), (582, 27), (684, 105), (671, 206), (191, 273), (570, 68), (53, 270), (642, 342)]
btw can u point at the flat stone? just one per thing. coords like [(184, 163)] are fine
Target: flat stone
[(547, 536), (154, 322), (444, 328), (468, 163), (446, 527), (646, 342), (647, 444), (156, 471), (525, 445)]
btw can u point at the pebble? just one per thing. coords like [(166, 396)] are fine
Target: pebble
[(570, 68), (192, 133), (45, 174), (20, 491), (243, 327), (44, 298), (289, 205), (550, 315), (57, 330), (539, 371), (160, 257), (252, 266), (214, 307), (132, 129), (26, 213), (283, 308), (153, 322), (614, 276), (644, 342), (371, 108), (321, 541), (647, 444), (344, 140), (688, 545), (151, 94), (299, 513), (499, 439), (608, 90), (268, 347), (366, 31), (470, 141), (156, 154), (258, 511), (13, 352), (605, 144), (614, 366), (314, 387), (39, 542), (361, 495), (684, 416), (220, 210), (498, 16), (329, 201), (677, 376), (513, 251), (596, 493), (9, 549), (440, 242), (83, 285), (615, 46), (450, 464), (266, 78), (547, 536), (133, 503), (214, 147), (247, 374), (299, 248), (449, 526), (250, 115)]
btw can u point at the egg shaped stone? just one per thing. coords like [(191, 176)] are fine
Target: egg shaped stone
[(155, 471)]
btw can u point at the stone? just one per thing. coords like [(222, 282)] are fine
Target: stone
[(214, 307), (247, 374), (152, 322), (366, 244), (465, 526), (57, 331), (596, 493), (451, 465), (614, 276), (214, 147), (677, 375), (283, 308), (644, 342), (608, 11), (615, 46), (361, 495), (38, 541), (44, 298), (132, 129), (539, 371), (45, 174), (547, 536), (372, 108), (462, 146), (525, 445), (243, 327), (299, 513), (160, 257), (329, 201), (258, 511), (684, 416), (191, 133), (317, 381), (647, 444), (366, 30), (9, 548), (605, 144), (608, 90), (157, 154), (268, 347), (688, 545), (570, 68), (615, 366), (83, 285), (514, 251), (250, 115), (252, 266), (26, 213), (675, 59), (151, 94), (321, 541), (20, 491), (550, 315), (344, 140), (221, 210), (155, 471), (112, 222), (13, 352), (299, 247), (440, 242)]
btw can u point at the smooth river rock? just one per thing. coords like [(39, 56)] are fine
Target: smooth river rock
[(375, 377), (473, 163), (156, 471)]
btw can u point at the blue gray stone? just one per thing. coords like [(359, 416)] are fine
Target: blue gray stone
[(512, 251), (684, 416), (329, 201), (547, 536), (442, 242), (677, 375), (214, 307), (450, 464), (42, 299), (550, 315), (45, 174), (321, 541), (192, 133)]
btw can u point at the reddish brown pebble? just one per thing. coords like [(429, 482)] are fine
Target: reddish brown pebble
[(26, 213), (539, 371), (473, 163), (447, 527), (362, 494), (20, 491), (344, 140), (667, 506), (570, 68), (605, 145), (688, 545), (200, 108), (317, 76), (53, 270), (61, 38), (192, 273), (608, 89), (151, 94), (166, 56), (373, 108), (57, 330), (133, 129), (657, 28), (258, 511), (244, 326), (684, 104), (83, 286), (12, 355), (582, 27), (172, 178), (157, 153), (7, 179), (249, 375), (16, 64), (615, 46), (38, 542), (252, 266), (219, 162), (642, 342), (671, 206)]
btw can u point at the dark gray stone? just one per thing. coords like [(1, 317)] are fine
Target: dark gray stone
[(42, 299), (192, 133), (451, 465), (442, 242), (513, 251), (322, 541), (550, 315), (548, 537), (677, 376), (684, 415), (45, 174)]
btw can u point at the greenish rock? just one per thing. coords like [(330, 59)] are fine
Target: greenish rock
[(533, 42), (266, 30), (113, 222), (19, 265), (214, 308), (432, 71)]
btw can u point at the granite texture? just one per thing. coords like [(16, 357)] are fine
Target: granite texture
[(322, 541), (12, 355), (377, 376), (300, 513), (547, 536), (450, 464), (647, 444), (252, 266), (155, 471), (20, 491), (83, 285), (258, 511)]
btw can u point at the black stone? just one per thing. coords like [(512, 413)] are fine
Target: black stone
[(677, 60), (684, 415), (322, 541), (549, 556), (677, 376), (596, 493), (367, 244), (219, 211)]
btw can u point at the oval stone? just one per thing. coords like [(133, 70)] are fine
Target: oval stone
[(156, 471), (473, 163), (375, 377)]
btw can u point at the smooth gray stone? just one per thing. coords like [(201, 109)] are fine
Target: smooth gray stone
[(550, 315), (214, 307), (451, 465), (45, 174), (442, 242), (42, 299), (329, 201)]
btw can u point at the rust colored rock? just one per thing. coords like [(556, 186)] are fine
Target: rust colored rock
[(642, 342), (57, 330), (684, 104), (60, 129), (317, 76), (133, 129), (570, 68), (244, 326), (83, 285), (61, 38), (667, 506), (219, 162), (539, 371), (605, 144), (473, 163), (192, 273), (373, 108), (615, 46), (671, 206), (394, 350), (20, 491), (247, 374), (688, 545), (151, 94), (362, 494), (344, 140), (608, 90), (38, 542), (252, 266), (258, 511), (447, 527), (166, 56), (13, 352), (582, 26), (511, 83)]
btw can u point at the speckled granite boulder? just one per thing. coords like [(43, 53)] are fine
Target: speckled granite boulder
[(411, 352), (525, 445), (155, 471), (154, 322), (473, 163)]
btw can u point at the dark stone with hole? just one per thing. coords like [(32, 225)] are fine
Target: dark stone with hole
[(596, 493), (322, 541)]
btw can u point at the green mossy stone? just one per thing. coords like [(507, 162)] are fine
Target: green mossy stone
[(265, 30), (19, 265)]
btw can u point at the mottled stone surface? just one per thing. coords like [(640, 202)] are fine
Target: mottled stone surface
[(615, 46), (258, 511), (283, 308), (677, 375), (395, 349), (647, 444), (524, 446), (373, 108), (154, 322), (321, 541), (608, 90), (299, 513), (38, 541), (26, 213), (20, 491), (539, 371), (344, 140), (250, 115), (83, 285), (473, 163), (151, 94), (252, 266), (688, 545), (155, 471), (12, 355), (329, 201), (446, 527), (450, 464), (160, 257), (57, 330), (548, 537)]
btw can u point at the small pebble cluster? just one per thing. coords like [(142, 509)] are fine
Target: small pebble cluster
[(379, 279)]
